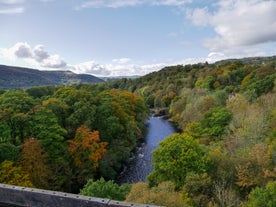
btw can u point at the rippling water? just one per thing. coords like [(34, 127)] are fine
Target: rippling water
[(140, 165)]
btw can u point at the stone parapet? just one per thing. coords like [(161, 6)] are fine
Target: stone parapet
[(31, 197)]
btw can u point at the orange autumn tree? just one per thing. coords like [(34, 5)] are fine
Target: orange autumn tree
[(86, 150), (33, 161)]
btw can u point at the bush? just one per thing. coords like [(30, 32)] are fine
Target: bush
[(105, 189)]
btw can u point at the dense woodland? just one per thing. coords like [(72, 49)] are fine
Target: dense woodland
[(59, 137), (77, 138)]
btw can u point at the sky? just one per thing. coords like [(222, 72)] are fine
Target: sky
[(132, 37)]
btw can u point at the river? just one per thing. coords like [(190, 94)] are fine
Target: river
[(141, 164)]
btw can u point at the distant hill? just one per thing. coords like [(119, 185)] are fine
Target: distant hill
[(249, 60), (19, 77)]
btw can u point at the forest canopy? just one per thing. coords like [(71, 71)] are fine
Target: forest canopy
[(61, 137)]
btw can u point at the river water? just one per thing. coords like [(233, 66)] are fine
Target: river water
[(140, 165)]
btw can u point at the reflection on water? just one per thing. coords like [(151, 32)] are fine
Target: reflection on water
[(140, 165)]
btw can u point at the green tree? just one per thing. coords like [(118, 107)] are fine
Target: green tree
[(45, 127), (9, 152), (262, 197), (59, 108), (176, 156), (14, 106), (105, 189), (216, 121), (41, 91), (83, 113)]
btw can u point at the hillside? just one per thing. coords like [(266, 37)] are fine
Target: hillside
[(17, 77), (226, 116)]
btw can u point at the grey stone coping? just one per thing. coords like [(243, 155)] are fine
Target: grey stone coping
[(11, 195)]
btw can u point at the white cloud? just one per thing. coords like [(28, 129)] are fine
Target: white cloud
[(36, 56), (11, 7), (129, 3), (199, 16), (53, 61), (238, 24), (113, 70), (90, 67), (121, 60)]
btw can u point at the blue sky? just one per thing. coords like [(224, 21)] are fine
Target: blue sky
[(132, 37)]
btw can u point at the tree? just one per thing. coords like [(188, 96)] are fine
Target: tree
[(86, 146), (163, 194), (251, 172), (105, 189), (258, 86), (13, 175), (86, 150), (58, 107), (198, 187), (14, 106), (45, 127), (83, 113), (216, 121), (9, 152), (176, 156), (262, 197), (223, 174), (119, 119), (33, 161)]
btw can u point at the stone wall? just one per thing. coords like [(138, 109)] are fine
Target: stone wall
[(30, 197)]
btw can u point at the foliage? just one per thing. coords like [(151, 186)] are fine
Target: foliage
[(14, 106), (33, 161), (229, 107), (262, 197), (86, 150), (13, 175), (176, 156), (105, 189), (85, 147), (44, 126), (198, 187), (251, 172), (9, 152), (163, 194), (215, 122)]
